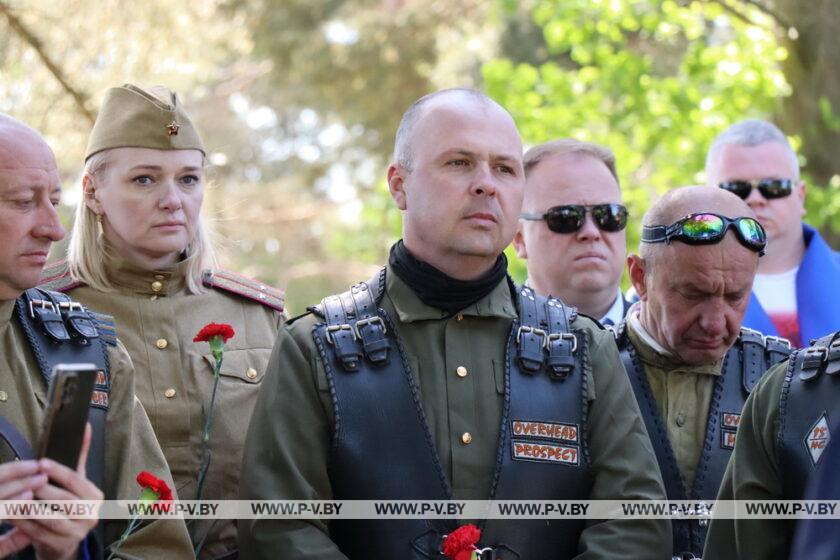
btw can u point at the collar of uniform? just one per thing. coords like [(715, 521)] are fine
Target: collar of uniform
[(652, 353), (7, 308), (124, 274), (408, 306)]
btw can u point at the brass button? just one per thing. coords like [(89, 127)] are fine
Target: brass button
[(161, 343), (459, 317), (169, 393), (251, 373), (466, 438), (680, 419), (461, 371), (157, 286), (4, 396)]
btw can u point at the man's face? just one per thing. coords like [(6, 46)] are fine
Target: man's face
[(696, 297), (780, 217), (589, 260), (462, 198), (29, 191)]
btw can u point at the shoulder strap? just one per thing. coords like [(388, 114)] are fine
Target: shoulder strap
[(354, 326), (56, 277), (544, 335), (243, 286)]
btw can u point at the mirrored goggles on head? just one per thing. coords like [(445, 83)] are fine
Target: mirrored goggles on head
[(569, 218), (706, 229), (769, 188)]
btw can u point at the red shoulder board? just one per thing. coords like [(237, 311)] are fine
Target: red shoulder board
[(56, 277), (243, 286)]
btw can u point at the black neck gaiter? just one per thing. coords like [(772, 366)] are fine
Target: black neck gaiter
[(436, 289)]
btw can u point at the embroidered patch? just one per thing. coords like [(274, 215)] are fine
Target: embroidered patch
[(102, 380), (542, 453), (545, 430), (817, 438), (99, 399), (730, 420), (727, 439)]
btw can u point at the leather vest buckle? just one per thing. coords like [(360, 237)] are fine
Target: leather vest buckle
[(371, 331), (343, 337), (561, 348), (487, 553), (531, 342), (833, 365), (811, 360), (46, 314), (77, 320)]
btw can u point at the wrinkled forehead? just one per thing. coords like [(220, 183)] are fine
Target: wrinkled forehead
[(25, 160)]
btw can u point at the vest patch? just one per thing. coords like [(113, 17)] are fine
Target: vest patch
[(99, 399), (817, 438), (730, 420), (545, 430), (727, 439), (544, 453)]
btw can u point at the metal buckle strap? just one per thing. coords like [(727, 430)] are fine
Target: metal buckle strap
[(560, 343), (752, 365), (530, 338), (78, 321), (810, 361), (369, 327), (45, 313), (341, 334), (778, 348)]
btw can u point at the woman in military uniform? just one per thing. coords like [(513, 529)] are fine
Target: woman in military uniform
[(140, 252)]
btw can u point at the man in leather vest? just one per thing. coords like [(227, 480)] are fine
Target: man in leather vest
[(690, 363), (35, 329), (787, 433), (438, 379)]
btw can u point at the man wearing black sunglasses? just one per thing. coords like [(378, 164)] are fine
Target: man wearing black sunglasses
[(571, 230), (690, 363), (754, 160)]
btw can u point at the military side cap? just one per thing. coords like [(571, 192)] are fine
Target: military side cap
[(132, 117)]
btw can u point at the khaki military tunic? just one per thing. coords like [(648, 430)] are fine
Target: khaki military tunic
[(683, 394), (156, 320), (458, 363), (130, 444), (753, 474)]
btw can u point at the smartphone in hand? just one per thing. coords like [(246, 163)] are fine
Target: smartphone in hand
[(68, 402)]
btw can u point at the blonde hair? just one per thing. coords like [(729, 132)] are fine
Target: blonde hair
[(87, 251)]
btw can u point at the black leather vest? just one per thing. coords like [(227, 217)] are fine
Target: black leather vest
[(750, 356), (60, 330), (809, 399), (546, 374)]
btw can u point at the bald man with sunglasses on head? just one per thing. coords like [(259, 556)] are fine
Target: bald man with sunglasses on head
[(571, 231), (690, 363), (754, 160)]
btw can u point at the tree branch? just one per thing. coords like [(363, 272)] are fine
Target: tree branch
[(770, 12), (29, 38)]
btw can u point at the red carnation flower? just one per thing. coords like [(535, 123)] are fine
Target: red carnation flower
[(208, 331), (148, 481), (460, 543)]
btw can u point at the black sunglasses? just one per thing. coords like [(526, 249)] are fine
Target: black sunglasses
[(769, 188), (707, 228), (569, 218)]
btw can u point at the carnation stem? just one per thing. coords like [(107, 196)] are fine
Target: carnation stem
[(205, 451)]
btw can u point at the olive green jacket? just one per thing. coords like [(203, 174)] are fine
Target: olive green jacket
[(753, 474), (157, 320), (130, 444), (458, 363)]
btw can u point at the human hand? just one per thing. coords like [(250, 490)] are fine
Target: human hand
[(18, 481), (58, 538)]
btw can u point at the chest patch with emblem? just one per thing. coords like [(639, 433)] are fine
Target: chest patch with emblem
[(729, 422), (817, 438)]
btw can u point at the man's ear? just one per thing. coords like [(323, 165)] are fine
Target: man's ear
[(89, 195), (396, 184), (799, 191), (636, 266), (519, 242)]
